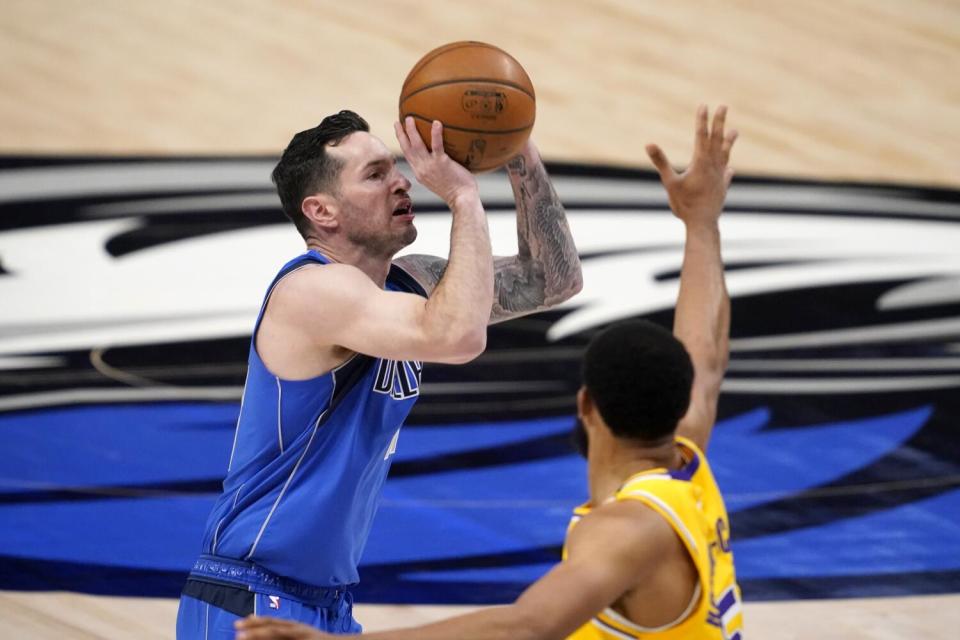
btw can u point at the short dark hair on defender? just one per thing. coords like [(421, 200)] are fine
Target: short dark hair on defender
[(639, 377), (305, 167)]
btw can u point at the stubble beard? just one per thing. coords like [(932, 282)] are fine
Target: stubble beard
[(381, 243)]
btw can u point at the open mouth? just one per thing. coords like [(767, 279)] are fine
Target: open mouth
[(404, 209)]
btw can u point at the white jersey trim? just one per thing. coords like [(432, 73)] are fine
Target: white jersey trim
[(316, 426), (236, 432), (279, 412), (216, 533), (633, 626), (670, 513)]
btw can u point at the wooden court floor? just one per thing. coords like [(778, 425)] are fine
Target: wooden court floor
[(55, 616), (826, 89)]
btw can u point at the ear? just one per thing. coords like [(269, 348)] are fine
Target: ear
[(322, 211), (585, 406)]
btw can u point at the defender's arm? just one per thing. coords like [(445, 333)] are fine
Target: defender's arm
[(609, 552), (702, 318)]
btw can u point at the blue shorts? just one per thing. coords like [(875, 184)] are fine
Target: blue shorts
[(221, 591)]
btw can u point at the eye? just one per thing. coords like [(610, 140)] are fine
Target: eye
[(376, 175)]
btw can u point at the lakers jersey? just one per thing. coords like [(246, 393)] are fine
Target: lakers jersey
[(309, 459), (688, 499)]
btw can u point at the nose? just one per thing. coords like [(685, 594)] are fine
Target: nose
[(401, 184)]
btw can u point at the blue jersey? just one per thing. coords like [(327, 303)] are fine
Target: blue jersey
[(309, 459)]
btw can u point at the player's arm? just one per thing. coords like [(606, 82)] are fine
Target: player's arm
[(702, 318), (609, 552), (339, 305), (546, 270)]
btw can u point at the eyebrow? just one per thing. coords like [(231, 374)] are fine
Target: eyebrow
[(382, 161)]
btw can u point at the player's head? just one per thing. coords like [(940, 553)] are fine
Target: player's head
[(337, 179), (636, 381)]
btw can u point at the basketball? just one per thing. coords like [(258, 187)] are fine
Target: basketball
[(480, 93)]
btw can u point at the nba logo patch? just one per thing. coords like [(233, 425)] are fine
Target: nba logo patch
[(274, 602)]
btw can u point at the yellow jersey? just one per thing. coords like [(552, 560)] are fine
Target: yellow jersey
[(688, 499)]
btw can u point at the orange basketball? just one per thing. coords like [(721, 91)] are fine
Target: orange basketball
[(480, 93)]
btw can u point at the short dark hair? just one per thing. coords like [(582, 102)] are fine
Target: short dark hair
[(639, 377), (305, 167)]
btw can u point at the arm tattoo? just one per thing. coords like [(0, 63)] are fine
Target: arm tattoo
[(435, 269), (546, 269), (427, 270)]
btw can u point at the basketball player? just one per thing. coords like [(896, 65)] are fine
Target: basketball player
[(649, 555), (335, 362)]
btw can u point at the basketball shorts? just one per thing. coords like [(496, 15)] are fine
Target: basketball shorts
[(221, 591)]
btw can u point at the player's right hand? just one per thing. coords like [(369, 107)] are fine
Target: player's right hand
[(264, 628), (433, 168), (697, 194)]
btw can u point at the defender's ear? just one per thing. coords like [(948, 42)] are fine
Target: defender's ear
[(321, 210), (585, 406)]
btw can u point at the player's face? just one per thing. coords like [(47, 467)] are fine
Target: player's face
[(375, 206)]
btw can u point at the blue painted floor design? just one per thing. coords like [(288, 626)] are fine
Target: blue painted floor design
[(140, 501)]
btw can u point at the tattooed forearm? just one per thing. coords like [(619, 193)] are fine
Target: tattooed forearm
[(427, 270), (546, 270), (517, 288)]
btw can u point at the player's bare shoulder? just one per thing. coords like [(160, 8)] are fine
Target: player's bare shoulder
[(294, 338), (626, 520), (330, 287), (642, 553)]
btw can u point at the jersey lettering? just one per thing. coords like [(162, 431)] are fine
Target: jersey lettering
[(723, 535), (723, 611), (400, 379)]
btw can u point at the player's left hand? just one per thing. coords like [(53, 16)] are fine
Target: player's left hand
[(264, 628)]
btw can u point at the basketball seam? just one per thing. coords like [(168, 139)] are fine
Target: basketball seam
[(458, 80), (466, 130), (453, 46), (424, 61)]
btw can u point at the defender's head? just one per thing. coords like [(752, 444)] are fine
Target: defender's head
[(637, 379), (339, 183)]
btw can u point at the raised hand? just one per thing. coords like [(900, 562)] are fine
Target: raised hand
[(697, 193), (433, 168)]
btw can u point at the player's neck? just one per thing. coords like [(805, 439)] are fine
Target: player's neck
[(613, 463), (376, 267)]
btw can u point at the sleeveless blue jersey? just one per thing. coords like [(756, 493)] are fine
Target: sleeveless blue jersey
[(310, 457)]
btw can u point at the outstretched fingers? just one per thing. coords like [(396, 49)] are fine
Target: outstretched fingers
[(659, 160), (257, 627), (702, 138), (728, 139), (716, 131)]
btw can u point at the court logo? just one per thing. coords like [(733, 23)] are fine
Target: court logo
[(846, 321)]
